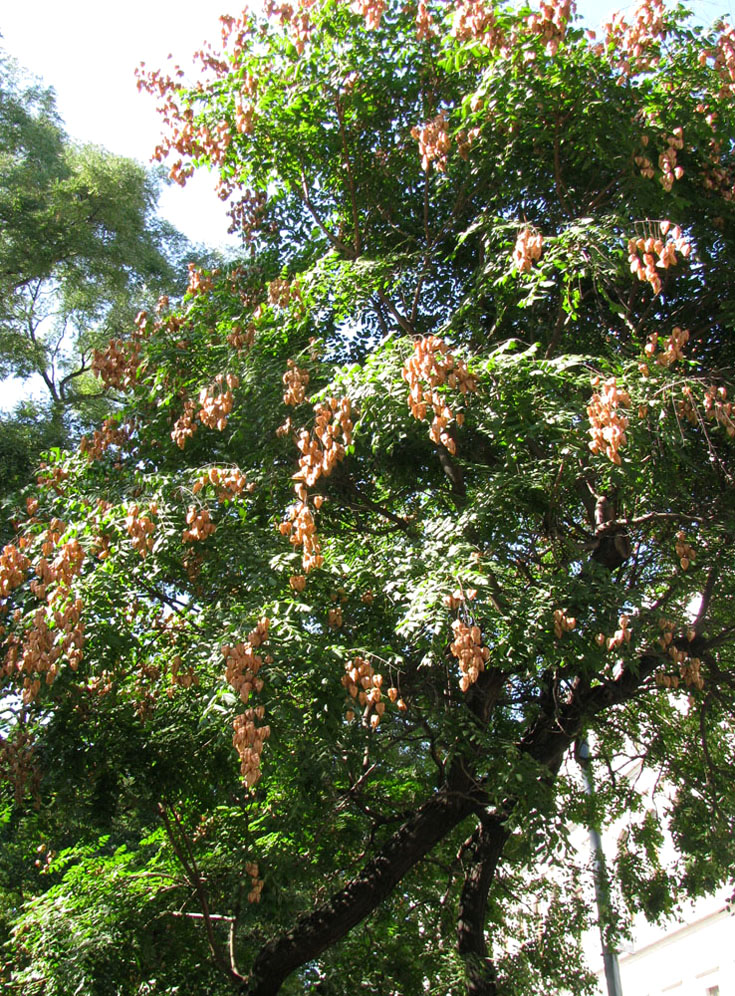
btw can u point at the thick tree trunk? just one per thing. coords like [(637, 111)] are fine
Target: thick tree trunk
[(485, 850), (319, 930)]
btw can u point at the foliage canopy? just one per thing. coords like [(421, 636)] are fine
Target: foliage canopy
[(435, 482), (80, 252)]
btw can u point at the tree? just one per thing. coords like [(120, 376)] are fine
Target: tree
[(81, 251), (434, 482)]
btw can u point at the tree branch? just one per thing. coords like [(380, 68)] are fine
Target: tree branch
[(350, 178), (347, 251), (319, 930), (186, 857)]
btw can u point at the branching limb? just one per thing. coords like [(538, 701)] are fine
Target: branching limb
[(182, 849), (347, 251), (350, 179), (404, 323), (319, 930)]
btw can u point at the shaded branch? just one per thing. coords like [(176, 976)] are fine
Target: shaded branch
[(315, 932), (347, 251)]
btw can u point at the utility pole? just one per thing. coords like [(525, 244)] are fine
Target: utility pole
[(609, 955)]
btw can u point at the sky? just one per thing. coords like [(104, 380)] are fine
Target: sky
[(87, 51)]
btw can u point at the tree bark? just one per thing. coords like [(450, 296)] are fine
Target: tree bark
[(486, 848), (317, 931)]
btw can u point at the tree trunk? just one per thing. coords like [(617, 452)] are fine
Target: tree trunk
[(485, 850)]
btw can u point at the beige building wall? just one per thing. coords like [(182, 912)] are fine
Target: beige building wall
[(696, 958)]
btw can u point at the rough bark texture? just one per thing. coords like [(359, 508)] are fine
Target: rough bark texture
[(487, 846)]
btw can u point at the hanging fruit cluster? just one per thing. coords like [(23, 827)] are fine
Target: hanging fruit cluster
[(371, 10), (717, 407), (17, 764), (643, 253), (65, 566), (689, 667), (474, 20), (723, 56), (117, 364), (184, 426), (468, 649), (228, 483), (607, 423), (182, 678), (320, 454), (644, 163), (256, 882), (465, 141), (434, 142), (244, 117), (242, 663), (248, 740), (334, 617), (670, 171), (431, 366), (365, 687), (425, 26), (200, 525), (241, 339), (283, 292), (295, 381), (140, 528), (621, 635), (54, 633), (52, 477), (467, 644), (527, 250), (13, 567), (673, 347), (550, 23), (216, 403), (111, 434), (301, 530), (684, 550), (563, 623), (246, 211), (634, 44), (199, 281), (458, 598)]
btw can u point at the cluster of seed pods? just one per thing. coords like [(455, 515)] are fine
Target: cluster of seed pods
[(434, 142), (364, 686), (199, 524), (431, 366), (527, 250), (607, 422)]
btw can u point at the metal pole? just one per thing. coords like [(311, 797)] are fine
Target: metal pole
[(609, 955)]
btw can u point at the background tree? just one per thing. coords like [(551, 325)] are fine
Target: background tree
[(434, 482), (81, 251)]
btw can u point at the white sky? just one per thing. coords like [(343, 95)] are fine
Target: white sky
[(88, 50)]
